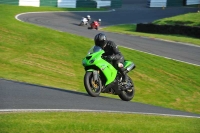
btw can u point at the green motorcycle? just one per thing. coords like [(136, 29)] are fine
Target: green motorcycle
[(102, 77)]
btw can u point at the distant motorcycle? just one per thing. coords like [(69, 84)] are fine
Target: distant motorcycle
[(84, 21), (95, 24)]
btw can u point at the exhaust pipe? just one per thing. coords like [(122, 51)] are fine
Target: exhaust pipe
[(131, 67)]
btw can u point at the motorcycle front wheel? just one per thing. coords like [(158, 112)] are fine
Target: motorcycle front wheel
[(128, 94), (92, 87), (81, 24)]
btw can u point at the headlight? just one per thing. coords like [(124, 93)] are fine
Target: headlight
[(92, 61)]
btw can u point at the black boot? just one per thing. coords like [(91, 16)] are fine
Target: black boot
[(124, 79), (124, 75)]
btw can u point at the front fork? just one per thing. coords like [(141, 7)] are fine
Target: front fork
[(95, 75), (96, 81)]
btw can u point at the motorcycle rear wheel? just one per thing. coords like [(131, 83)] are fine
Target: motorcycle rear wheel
[(128, 94), (92, 88)]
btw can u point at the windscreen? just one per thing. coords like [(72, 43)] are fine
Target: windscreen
[(94, 49)]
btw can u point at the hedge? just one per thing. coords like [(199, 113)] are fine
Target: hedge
[(169, 29)]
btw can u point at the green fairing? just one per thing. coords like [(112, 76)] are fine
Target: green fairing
[(107, 69)]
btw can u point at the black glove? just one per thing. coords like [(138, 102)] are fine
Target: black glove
[(112, 57), (109, 58), (106, 58)]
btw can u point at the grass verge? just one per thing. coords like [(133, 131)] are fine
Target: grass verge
[(75, 122), (189, 19)]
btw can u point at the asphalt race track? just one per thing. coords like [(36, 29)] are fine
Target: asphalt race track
[(17, 96)]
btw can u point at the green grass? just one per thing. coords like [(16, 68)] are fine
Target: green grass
[(191, 19), (38, 55), (75, 122)]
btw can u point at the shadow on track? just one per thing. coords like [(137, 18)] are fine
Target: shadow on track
[(46, 87)]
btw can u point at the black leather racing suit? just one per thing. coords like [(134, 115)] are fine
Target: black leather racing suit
[(112, 51)]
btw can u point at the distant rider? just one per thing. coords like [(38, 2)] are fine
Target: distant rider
[(88, 18), (99, 21)]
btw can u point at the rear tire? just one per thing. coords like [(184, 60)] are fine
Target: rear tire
[(92, 88), (128, 95)]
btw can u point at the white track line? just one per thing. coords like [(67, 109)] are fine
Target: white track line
[(16, 17), (161, 56), (85, 110)]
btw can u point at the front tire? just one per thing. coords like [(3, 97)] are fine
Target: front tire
[(128, 94), (81, 24), (93, 88)]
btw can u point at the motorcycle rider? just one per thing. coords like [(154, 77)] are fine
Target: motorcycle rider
[(99, 22), (112, 53), (88, 18)]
